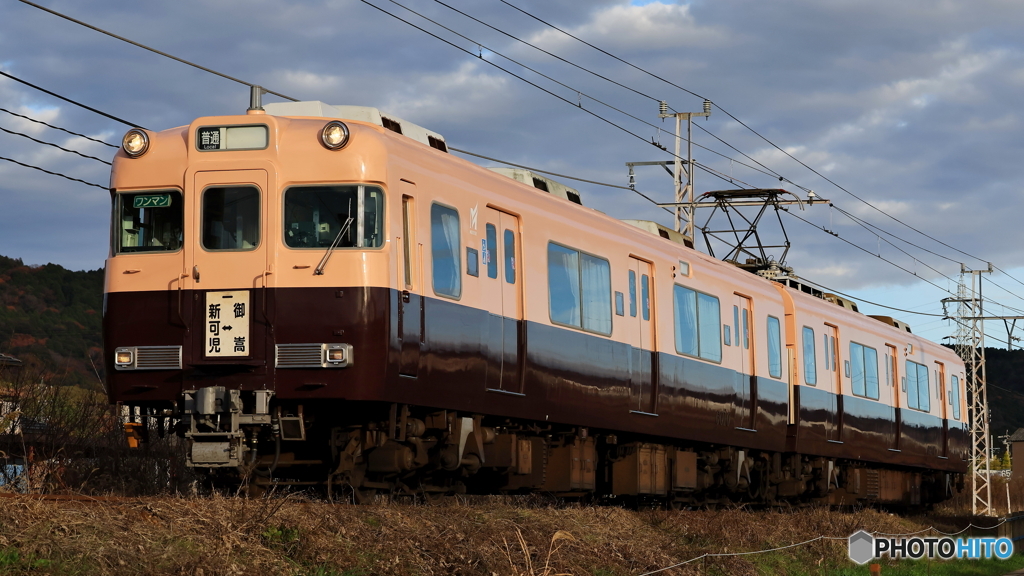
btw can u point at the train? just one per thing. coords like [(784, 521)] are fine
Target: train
[(324, 296)]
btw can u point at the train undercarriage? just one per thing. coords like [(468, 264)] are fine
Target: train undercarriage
[(356, 450)]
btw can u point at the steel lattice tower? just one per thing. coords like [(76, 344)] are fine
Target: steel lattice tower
[(970, 346)]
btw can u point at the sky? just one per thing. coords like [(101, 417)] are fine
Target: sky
[(904, 114)]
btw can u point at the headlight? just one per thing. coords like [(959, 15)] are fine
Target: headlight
[(336, 355), (135, 143), (334, 136), (123, 357)]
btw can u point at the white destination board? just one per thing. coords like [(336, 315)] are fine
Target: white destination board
[(227, 323)]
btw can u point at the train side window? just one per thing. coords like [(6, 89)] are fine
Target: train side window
[(645, 296), (632, 294), (774, 348), (736, 323), (954, 394), (828, 364), (579, 290), (446, 261), (148, 222), (864, 372), (918, 388), (491, 251), (472, 262), (746, 329), (810, 365), (510, 257), (620, 305), (231, 218), (698, 323), (728, 334)]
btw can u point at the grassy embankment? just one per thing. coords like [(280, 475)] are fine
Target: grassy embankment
[(491, 536)]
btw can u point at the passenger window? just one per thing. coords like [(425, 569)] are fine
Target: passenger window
[(322, 216), (864, 363), (472, 262), (510, 257), (579, 290), (148, 222), (645, 296), (231, 218), (810, 365), (620, 307), (917, 386), (632, 294), (955, 396), (698, 323), (445, 240), (491, 251), (774, 348), (728, 334)]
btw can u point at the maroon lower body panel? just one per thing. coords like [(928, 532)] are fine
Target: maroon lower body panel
[(438, 353)]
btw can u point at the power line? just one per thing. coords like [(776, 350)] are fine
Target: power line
[(741, 123), (79, 104), (57, 128), (54, 173), (154, 50), (55, 146)]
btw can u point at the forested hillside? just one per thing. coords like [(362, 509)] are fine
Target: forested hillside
[(50, 318)]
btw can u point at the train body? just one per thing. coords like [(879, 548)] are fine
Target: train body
[(386, 316)]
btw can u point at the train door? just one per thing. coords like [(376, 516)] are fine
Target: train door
[(891, 381), (746, 387), (511, 304), (940, 395), (834, 420), (501, 295), (410, 300), (229, 264), (643, 361)]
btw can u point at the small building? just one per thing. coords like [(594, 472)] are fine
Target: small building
[(1017, 453)]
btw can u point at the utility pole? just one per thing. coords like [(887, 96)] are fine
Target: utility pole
[(682, 192), (970, 346)]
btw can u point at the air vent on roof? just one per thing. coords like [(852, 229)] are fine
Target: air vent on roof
[(658, 229), (840, 301), (573, 196), (391, 124), (900, 325), (540, 184), (437, 143)]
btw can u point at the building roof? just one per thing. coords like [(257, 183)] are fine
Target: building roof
[(6, 360), (1017, 436)]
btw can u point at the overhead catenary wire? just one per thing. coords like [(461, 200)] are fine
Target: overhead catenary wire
[(57, 128), (753, 131), (53, 173), (153, 50), (55, 146), (69, 100)]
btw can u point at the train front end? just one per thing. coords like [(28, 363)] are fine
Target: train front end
[(247, 278)]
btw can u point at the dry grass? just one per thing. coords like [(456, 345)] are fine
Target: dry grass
[(486, 536)]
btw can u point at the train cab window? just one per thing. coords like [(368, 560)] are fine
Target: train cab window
[(491, 251), (864, 370), (698, 323), (472, 262), (918, 387), (632, 294), (579, 290), (510, 257), (445, 257), (810, 365), (148, 222), (954, 396), (774, 347), (231, 218), (321, 216)]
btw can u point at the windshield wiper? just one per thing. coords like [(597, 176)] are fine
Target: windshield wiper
[(337, 240)]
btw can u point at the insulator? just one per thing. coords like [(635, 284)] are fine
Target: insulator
[(662, 107), (707, 106)]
